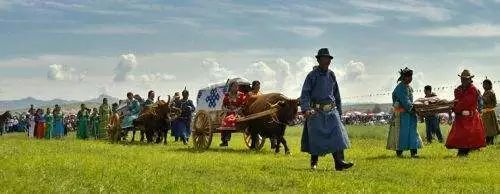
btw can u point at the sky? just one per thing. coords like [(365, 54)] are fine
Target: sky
[(79, 49)]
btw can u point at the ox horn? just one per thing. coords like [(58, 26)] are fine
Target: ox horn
[(275, 104), (168, 101), (158, 99)]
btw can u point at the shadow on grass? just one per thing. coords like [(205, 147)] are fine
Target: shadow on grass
[(134, 143), (321, 170), (388, 157), (223, 150)]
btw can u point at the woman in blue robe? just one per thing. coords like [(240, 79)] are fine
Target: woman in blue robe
[(403, 134), (134, 108), (320, 101), (58, 122)]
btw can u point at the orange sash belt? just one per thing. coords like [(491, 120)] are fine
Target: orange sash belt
[(399, 109), (488, 110)]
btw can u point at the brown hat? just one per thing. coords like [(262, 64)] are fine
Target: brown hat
[(466, 74)]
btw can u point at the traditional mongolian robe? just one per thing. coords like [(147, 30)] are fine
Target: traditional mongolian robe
[(39, 126), (31, 125), (93, 125), (82, 123), (104, 116), (403, 134), (489, 116), (114, 128), (58, 130), (467, 131), (323, 131), (184, 121), (49, 125), (232, 105), (134, 108), (176, 123)]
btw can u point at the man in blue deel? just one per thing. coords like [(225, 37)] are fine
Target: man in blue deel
[(320, 101)]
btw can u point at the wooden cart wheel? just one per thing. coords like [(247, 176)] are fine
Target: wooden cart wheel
[(248, 141), (202, 131)]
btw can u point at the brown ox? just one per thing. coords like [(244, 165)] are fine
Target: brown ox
[(272, 126), (155, 121)]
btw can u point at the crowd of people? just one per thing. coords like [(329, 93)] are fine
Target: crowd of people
[(40, 124)]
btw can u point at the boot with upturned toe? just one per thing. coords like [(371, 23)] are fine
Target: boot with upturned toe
[(414, 153), (223, 144), (340, 164)]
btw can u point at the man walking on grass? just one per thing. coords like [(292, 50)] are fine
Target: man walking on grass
[(320, 101)]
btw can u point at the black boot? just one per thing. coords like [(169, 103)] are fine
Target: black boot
[(314, 162), (489, 140), (463, 152), (224, 144), (399, 153), (340, 164), (414, 153)]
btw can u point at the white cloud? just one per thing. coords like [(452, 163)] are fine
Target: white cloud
[(155, 77), (60, 72), (228, 33), (108, 30), (261, 71), (476, 2), (361, 19), (420, 9), (279, 76), (215, 71), (124, 68), (82, 76), (307, 31), (181, 20), (466, 30), (354, 71)]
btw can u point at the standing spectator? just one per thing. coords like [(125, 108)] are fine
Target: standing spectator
[(49, 124), (489, 116), (432, 121)]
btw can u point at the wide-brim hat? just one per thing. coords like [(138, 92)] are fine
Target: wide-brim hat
[(466, 74), (323, 52)]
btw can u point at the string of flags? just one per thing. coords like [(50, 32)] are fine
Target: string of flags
[(389, 93)]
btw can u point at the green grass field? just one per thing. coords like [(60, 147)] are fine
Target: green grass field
[(70, 165)]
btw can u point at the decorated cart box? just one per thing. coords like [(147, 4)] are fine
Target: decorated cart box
[(210, 98), (209, 114)]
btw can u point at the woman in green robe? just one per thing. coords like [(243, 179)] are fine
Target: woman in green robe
[(94, 123), (82, 122), (104, 114), (49, 124)]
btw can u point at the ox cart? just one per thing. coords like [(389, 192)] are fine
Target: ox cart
[(209, 116)]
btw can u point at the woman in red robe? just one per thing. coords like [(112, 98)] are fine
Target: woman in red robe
[(39, 124), (232, 104), (467, 132)]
